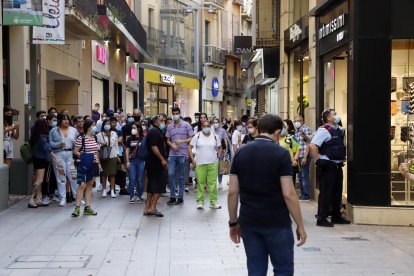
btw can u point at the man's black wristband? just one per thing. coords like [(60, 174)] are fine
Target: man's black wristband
[(232, 224)]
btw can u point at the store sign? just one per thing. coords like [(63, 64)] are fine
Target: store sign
[(169, 79), (332, 27), (101, 54), (295, 33), (243, 44), (22, 12), (132, 73), (215, 87), (52, 30)]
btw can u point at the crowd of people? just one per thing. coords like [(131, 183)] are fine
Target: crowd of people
[(165, 155), (148, 157)]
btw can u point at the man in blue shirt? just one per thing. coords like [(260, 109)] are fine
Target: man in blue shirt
[(329, 152), (261, 175)]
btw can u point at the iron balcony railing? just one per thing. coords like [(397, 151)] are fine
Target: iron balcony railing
[(266, 42), (233, 83), (214, 55), (153, 35), (238, 2), (87, 6), (219, 3), (126, 16)]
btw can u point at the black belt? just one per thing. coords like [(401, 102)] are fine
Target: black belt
[(67, 149)]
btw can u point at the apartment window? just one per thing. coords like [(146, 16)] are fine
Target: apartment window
[(298, 8), (207, 33), (150, 17)]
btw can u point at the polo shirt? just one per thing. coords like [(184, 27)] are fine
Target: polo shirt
[(259, 166), (181, 131)]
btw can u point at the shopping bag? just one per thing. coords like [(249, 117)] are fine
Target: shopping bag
[(225, 166)]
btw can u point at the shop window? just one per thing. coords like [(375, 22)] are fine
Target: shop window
[(298, 62), (402, 119), (150, 99)]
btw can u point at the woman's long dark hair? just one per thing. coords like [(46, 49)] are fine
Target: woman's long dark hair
[(87, 124), (40, 128), (139, 127), (199, 124), (291, 127), (61, 117)]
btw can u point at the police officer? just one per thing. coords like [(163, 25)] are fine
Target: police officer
[(329, 151)]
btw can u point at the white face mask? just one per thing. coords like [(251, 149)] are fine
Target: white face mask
[(216, 125), (251, 130), (134, 131), (239, 128), (297, 125)]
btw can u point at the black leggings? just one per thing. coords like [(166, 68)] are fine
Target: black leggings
[(49, 182)]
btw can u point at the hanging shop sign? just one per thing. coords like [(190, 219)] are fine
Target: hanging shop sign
[(52, 31), (132, 73), (332, 27), (101, 54), (243, 45), (294, 33), (215, 86), (22, 12), (168, 79)]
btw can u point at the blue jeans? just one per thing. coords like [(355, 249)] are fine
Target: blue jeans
[(136, 174), (304, 181), (262, 242), (220, 176), (176, 163)]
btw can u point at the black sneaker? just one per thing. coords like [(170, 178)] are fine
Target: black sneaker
[(324, 223), (179, 201), (171, 201), (69, 198), (340, 220), (123, 191)]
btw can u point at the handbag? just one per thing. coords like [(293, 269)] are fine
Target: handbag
[(26, 153), (225, 165), (85, 162), (105, 152)]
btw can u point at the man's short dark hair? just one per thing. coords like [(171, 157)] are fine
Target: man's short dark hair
[(51, 109), (245, 118), (39, 113), (188, 120), (113, 119), (269, 124), (77, 118), (176, 109), (325, 115)]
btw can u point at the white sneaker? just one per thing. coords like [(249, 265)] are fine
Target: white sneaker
[(99, 187), (220, 186), (62, 202), (113, 194), (104, 193), (83, 202), (45, 201), (55, 199), (199, 206), (215, 206)]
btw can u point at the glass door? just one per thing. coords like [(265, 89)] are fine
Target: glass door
[(336, 94), (165, 99)]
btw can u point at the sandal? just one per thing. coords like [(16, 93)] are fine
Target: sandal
[(155, 213), (32, 205)]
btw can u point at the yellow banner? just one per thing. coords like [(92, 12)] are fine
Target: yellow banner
[(170, 79)]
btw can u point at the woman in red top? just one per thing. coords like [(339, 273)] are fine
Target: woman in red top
[(86, 143)]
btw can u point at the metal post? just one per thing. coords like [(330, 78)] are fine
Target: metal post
[(197, 43)]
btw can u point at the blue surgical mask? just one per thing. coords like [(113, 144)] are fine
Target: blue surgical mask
[(207, 130), (283, 133), (162, 126), (176, 118), (337, 119), (94, 130), (53, 124), (130, 120), (107, 127)]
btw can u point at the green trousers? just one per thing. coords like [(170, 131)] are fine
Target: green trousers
[(207, 175)]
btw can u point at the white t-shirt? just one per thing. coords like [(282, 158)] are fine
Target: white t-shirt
[(102, 138), (206, 148), (235, 138)]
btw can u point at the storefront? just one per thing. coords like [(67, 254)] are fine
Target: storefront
[(212, 93), (297, 50), (365, 71), (132, 79), (166, 89)]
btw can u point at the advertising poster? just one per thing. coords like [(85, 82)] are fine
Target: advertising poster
[(52, 30), (22, 12)]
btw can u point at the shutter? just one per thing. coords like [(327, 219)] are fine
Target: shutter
[(261, 103)]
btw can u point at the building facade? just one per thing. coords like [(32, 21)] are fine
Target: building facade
[(340, 55)]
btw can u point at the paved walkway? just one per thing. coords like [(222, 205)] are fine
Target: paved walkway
[(120, 241)]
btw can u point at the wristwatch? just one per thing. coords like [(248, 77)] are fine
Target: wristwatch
[(232, 224)]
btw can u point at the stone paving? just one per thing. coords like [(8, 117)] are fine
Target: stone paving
[(120, 241)]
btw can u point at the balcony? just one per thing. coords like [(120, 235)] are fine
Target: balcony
[(233, 86), (218, 4), (80, 18), (267, 43), (215, 56), (154, 35), (246, 15), (238, 2)]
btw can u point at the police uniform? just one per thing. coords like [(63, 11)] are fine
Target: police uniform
[(332, 155)]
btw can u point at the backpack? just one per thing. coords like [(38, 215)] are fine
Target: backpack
[(26, 153)]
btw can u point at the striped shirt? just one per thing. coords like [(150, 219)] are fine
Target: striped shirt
[(298, 135), (91, 146), (181, 131)]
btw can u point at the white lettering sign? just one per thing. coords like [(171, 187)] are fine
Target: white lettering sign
[(170, 79), (53, 29), (295, 33), (332, 26)]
